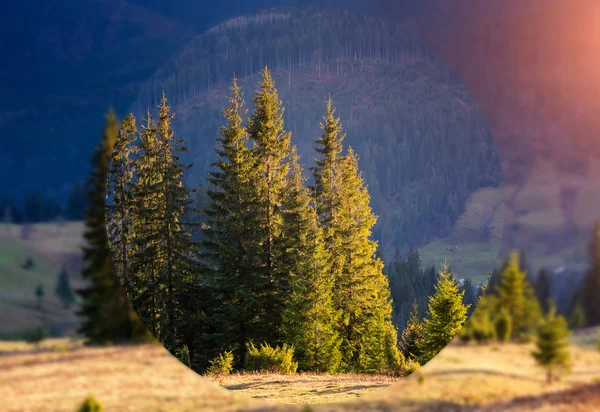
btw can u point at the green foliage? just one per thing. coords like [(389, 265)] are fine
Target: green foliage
[(411, 339), (578, 320), (37, 335), (184, 356), (361, 290), (106, 311), (410, 366), (29, 263), (409, 284), (445, 316), (119, 209), (543, 289), (39, 294), (503, 325), (63, 289), (310, 319), (221, 365), (552, 351), (90, 404), (517, 296), (269, 359)]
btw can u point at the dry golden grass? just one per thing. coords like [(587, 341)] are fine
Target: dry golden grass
[(305, 388), (136, 378), (60, 374)]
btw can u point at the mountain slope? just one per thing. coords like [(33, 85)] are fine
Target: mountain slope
[(422, 143)]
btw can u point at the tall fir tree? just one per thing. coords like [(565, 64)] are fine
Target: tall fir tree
[(517, 296), (326, 176), (445, 316), (329, 146), (180, 258), (119, 196), (271, 160), (552, 347), (108, 316), (146, 218), (227, 233), (63, 289), (411, 339), (309, 318), (543, 289), (361, 290)]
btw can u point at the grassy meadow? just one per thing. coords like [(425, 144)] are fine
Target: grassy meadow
[(59, 374), (51, 246)]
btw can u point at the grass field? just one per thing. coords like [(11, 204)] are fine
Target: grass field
[(51, 247), (60, 374)]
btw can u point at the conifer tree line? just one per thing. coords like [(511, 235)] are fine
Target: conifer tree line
[(268, 258), (514, 305)]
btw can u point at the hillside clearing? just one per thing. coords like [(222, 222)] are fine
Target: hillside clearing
[(495, 377)]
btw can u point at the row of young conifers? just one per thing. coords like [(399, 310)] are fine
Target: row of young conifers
[(269, 260)]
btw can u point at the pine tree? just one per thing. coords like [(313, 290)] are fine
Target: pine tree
[(445, 316), (543, 289), (180, 258), (577, 320), (146, 217), (590, 287), (326, 178), (361, 290), (228, 233), (39, 294), (165, 258), (184, 356), (503, 325), (119, 195), (551, 344), (309, 318), (271, 157), (516, 295), (329, 146), (63, 289), (108, 317), (411, 339)]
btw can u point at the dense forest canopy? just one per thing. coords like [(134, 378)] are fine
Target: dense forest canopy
[(422, 143)]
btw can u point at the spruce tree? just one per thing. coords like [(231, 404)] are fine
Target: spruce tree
[(445, 316), (309, 319), (590, 287), (63, 289), (552, 351), (108, 317), (361, 290), (411, 339), (146, 217), (329, 147), (119, 196), (39, 294), (577, 320), (326, 182), (180, 258), (271, 157), (228, 234), (516, 295), (543, 289), (164, 259)]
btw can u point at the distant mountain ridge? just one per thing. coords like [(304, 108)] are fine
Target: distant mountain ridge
[(422, 143)]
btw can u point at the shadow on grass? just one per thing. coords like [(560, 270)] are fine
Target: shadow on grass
[(484, 372)]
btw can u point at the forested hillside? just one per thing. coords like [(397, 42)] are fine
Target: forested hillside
[(422, 143)]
